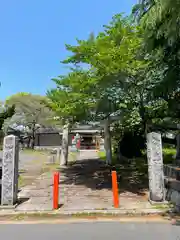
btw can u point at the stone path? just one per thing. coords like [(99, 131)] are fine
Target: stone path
[(32, 165), (86, 184), (37, 196)]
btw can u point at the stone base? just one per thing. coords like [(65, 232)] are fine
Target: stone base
[(158, 203), (2, 207)]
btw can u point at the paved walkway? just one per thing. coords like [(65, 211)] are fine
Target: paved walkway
[(86, 184)]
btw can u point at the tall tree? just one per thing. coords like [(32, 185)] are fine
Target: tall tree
[(160, 20), (71, 102), (124, 72), (30, 113), (116, 78)]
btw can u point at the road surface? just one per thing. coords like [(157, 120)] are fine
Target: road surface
[(87, 231)]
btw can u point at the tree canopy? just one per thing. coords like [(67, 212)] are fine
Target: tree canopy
[(130, 69), (30, 113), (119, 77), (160, 20), (6, 113)]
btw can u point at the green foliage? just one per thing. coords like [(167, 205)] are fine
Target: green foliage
[(131, 69), (102, 156), (168, 155), (116, 78), (31, 112), (160, 20), (29, 108), (73, 98), (6, 113)]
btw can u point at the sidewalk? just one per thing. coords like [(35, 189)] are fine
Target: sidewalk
[(85, 186)]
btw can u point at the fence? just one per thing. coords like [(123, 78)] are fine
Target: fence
[(172, 185), (171, 172)]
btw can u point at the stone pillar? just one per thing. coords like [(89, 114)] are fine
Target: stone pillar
[(101, 145), (58, 154), (9, 191), (155, 167), (65, 145)]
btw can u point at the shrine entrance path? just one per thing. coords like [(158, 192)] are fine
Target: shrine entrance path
[(85, 184)]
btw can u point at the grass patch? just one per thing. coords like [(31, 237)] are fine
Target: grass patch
[(102, 155), (168, 155), (34, 151), (57, 216), (73, 156), (163, 206), (21, 181)]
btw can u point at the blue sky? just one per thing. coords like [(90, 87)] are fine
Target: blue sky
[(33, 34)]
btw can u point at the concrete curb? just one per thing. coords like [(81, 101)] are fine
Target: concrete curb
[(144, 219), (116, 212), (86, 212)]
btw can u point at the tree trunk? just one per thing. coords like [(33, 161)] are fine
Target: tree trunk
[(33, 134), (33, 142), (65, 146), (107, 142), (29, 142)]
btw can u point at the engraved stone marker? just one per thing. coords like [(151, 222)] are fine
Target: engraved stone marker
[(155, 167), (9, 189)]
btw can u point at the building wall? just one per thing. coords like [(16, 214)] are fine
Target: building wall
[(54, 139), (49, 139)]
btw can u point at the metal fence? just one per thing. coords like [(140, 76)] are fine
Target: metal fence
[(171, 172)]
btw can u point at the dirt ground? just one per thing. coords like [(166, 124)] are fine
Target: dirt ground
[(32, 164)]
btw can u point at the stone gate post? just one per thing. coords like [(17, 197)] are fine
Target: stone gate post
[(10, 161), (155, 167)]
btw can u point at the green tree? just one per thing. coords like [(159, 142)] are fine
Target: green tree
[(6, 113), (124, 72), (160, 20), (72, 102), (112, 58), (116, 79), (71, 99), (30, 112)]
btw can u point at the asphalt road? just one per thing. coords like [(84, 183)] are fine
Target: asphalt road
[(87, 231)]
